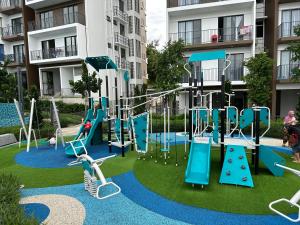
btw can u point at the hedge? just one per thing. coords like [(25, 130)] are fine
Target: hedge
[(10, 210), (63, 107)]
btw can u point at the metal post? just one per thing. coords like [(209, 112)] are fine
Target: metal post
[(116, 96), (257, 127), (190, 110), (222, 118), (122, 126), (108, 116), (195, 91)]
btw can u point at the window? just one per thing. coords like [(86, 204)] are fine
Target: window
[(260, 29), (130, 25), (137, 25), (70, 46), (109, 45), (121, 5), (115, 23), (229, 28), (287, 64), (137, 6), (132, 70), (108, 18), (289, 20), (235, 71), (1, 52), (71, 14), (19, 53), (122, 29), (17, 26), (188, 2), (190, 31), (116, 48), (48, 49), (138, 48), (46, 19), (138, 71), (123, 53), (131, 47), (47, 83), (129, 5)]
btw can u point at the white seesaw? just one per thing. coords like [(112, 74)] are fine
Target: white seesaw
[(293, 201), (92, 172)]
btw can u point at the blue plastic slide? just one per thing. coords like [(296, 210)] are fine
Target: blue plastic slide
[(94, 133), (198, 168)]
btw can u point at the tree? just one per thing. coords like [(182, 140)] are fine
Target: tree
[(153, 57), (138, 101), (259, 79), (170, 66), (8, 84), (294, 47), (87, 84), (33, 92)]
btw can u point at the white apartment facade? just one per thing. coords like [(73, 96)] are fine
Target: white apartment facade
[(12, 37), (63, 33), (242, 28)]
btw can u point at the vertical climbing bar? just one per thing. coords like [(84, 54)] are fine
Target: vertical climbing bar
[(116, 97), (108, 116), (222, 118), (257, 127), (190, 110), (122, 126)]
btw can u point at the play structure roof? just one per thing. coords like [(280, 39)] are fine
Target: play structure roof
[(101, 63), (205, 56)]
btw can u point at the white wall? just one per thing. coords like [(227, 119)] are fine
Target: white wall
[(289, 99)]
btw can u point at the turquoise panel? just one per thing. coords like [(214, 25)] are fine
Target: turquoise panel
[(205, 56), (264, 116), (247, 118), (101, 63), (203, 115), (235, 167), (232, 114), (140, 124), (86, 166), (198, 168), (118, 129), (269, 158), (215, 117)]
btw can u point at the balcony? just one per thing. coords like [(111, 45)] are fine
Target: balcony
[(37, 4), (121, 40), (122, 63), (176, 3), (13, 33), (212, 38), (120, 15), (15, 60), (285, 72), (286, 31), (56, 22), (52, 54), (214, 75), (10, 7)]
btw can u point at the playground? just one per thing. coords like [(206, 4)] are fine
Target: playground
[(136, 167)]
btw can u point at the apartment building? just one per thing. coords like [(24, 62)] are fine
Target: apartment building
[(243, 28), (12, 37), (62, 33)]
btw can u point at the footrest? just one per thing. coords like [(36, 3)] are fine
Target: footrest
[(164, 149)]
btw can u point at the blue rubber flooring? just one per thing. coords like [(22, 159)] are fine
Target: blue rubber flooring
[(135, 191), (39, 211), (48, 157)]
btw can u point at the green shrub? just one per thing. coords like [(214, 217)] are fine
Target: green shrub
[(10, 210), (63, 107)]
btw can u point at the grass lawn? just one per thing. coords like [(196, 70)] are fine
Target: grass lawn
[(168, 181)]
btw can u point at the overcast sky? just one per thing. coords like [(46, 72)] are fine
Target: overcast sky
[(156, 20)]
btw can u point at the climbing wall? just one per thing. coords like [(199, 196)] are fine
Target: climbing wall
[(235, 167), (140, 126)]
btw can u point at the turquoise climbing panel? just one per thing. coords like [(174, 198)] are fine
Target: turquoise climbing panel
[(200, 114), (118, 129), (232, 114), (215, 117), (140, 126), (235, 167), (104, 105), (247, 118), (203, 115), (269, 158), (264, 116)]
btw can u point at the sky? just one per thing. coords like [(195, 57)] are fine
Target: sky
[(156, 20)]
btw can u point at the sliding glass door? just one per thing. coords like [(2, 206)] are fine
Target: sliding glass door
[(190, 31), (289, 20), (235, 71), (229, 27)]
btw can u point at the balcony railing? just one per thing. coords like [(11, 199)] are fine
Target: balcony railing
[(285, 72), (176, 3), (220, 35), (15, 59), (122, 63), (10, 6), (120, 39), (119, 14), (287, 29), (56, 21), (52, 53), (214, 74), (13, 31)]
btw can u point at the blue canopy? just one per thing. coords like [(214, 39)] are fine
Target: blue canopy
[(205, 56), (101, 63)]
